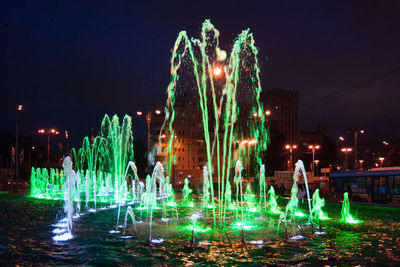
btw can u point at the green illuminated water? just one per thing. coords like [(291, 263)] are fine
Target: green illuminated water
[(346, 216), (218, 102)]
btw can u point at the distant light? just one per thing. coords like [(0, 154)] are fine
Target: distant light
[(341, 138), (33, 147), (294, 146), (217, 71), (268, 112), (381, 158), (317, 147), (385, 143), (162, 136), (41, 131), (287, 146), (139, 113), (158, 112), (245, 141), (361, 131), (20, 107), (255, 114)]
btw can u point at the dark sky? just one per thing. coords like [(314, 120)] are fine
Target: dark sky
[(70, 62)]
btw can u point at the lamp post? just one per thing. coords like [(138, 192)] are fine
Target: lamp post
[(361, 162), (49, 132), (290, 148), (381, 159), (148, 120), (316, 165), (346, 150), (355, 146), (313, 148), (19, 109)]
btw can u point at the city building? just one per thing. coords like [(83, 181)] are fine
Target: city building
[(284, 112)]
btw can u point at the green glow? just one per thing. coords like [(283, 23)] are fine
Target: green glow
[(240, 80), (186, 191), (346, 216), (273, 205), (198, 228), (243, 225), (318, 204), (299, 214)]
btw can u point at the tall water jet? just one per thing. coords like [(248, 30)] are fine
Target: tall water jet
[(346, 216), (186, 191), (318, 204), (218, 101), (273, 205), (263, 189)]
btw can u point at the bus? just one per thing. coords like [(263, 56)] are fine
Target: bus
[(377, 185)]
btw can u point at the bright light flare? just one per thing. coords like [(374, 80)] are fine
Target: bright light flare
[(217, 71)]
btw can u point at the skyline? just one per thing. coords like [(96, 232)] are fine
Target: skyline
[(61, 60)]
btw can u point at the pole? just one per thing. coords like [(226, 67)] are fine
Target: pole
[(16, 153), (313, 158), (355, 149), (148, 119), (291, 158)]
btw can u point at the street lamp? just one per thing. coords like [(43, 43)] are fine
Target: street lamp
[(290, 148), (19, 109), (346, 150), (381, 159), (148, 120), (361, 162), (49, 132), (313, 148), (316, 165), (355, 146), (217, 71)]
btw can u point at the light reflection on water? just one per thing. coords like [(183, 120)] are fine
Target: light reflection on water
[(26, 238)]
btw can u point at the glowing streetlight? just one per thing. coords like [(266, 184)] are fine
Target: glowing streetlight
[(346, 150), (217, 71), (290, 148), (20, 107), (48, 133), (148, 120), (341, 138), (313, 148), (355, 145), (385, 143), (268, 112), (381, 159), (361, 162)]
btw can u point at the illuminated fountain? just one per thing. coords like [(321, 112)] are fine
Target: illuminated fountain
[(102, 175), (346, 216)]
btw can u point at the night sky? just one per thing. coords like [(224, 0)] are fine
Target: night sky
[(70, 62)]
